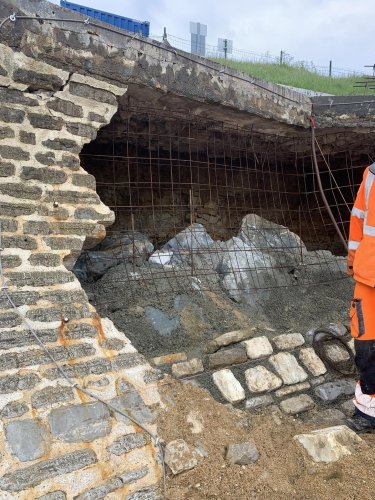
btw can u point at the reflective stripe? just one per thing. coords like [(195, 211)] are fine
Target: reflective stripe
[(358, 213), (369, 230), (368, 184), (353, 245)]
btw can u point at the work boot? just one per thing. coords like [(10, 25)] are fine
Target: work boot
[(359, 424)]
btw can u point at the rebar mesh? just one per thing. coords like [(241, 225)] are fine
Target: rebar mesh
[(202, 204)]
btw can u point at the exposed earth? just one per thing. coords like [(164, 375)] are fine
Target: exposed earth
[(283, 469)]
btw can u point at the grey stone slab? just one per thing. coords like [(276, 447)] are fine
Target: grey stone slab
[(227, 357), (27, 439), (36, 81), (66, 108), (113, 484), (28, 477), (132, 404), (53, 495), (45, 121), (297, 404), (93, 367), (127, 443), (51, 395), (44, 174), (14, 409), (150, 493), (330, 391), (76, 423), (258, 402), (27, 137), (242, 453)]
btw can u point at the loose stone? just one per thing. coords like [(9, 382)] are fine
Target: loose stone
[(331, 444), (179, 456), (243, 453)]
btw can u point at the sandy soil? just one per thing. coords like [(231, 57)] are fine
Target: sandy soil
[(283, 469)]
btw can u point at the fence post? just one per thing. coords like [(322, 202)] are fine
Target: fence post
[(330, 68), (281, 57)]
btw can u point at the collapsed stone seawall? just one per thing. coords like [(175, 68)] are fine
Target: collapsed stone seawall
[(55, 441)]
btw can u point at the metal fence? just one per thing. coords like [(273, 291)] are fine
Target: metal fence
[(213, 52)]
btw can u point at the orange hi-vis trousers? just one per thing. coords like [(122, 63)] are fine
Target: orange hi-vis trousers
[(362, 312), (362, 322)]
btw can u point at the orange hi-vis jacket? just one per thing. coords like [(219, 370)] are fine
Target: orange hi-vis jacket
[(361, 247)]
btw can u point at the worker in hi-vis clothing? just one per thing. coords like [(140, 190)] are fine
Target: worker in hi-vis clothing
[(361, 265)]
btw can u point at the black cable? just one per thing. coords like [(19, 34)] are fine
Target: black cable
[(323, 337)]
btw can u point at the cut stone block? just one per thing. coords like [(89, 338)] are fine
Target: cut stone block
[(179, 456), (333, 390), (287, 367), (259, 379), (285, 391), (331, 444), (288, 341), (312, 361), (84, 422), (187, 368), (229, 386), (297, 404), (260, 347), (227, 357), (27, 439), (243, 453), (228, 339), (258, 402)]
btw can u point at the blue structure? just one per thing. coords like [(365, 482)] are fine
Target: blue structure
[(124, 23)]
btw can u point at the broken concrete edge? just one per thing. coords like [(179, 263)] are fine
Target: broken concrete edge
[(278, 98), (45, 210)]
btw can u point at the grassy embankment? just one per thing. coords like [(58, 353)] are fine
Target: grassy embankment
[(298, 77)]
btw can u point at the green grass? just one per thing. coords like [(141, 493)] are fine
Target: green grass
[(297, 77)]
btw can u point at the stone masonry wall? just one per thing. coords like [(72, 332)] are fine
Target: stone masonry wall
[(55, 442)]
